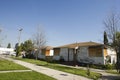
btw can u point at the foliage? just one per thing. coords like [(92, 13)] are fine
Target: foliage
[(24, 76), (109, 66), (112, 25), (9, 45), (18, 50), (27, 46), (39, 40), (112, 72), (105, 38)]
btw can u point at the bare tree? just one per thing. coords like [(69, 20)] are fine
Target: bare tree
[(112, 27), (39, 40)]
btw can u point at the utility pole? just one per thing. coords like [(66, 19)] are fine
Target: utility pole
[(0, 37), (19, 37)]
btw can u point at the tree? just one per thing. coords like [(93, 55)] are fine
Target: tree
[(17, 49), (27, 46), (112, 25), (9, 45), (105, 38), (39, 40)]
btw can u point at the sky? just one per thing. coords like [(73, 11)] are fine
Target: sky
[(63, 21)]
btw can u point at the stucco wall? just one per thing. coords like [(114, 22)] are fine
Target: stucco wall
[(83, 56), (71, 52), (56, 57), (64, 53), (51, 52), (112, 54), (41, 56)]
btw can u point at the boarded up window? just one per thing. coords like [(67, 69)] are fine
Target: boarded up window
[(105, 52), (56, 51), (47, 52), (95, 52), (43, 52)]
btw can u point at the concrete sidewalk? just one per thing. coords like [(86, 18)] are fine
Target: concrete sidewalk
[(59, 75), (15, 71)]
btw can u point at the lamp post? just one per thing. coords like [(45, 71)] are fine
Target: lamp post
[(20, 30)]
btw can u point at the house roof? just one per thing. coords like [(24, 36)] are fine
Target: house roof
[(48, 47), (81, 44)]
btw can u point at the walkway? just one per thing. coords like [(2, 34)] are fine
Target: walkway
[(59, 75), (15, 71)]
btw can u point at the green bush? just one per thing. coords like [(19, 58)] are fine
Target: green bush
[(109, 66)]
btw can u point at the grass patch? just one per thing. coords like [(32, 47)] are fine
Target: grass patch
[(80, 72), (9, 65), (24, 76), (112, 72)]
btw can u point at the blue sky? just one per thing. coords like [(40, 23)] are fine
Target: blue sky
[(64, 21)]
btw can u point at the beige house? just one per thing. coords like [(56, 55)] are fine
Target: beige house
[(85, 52)]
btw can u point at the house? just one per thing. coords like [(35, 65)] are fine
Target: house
[(46, 51), (7, 51), (85, 52)]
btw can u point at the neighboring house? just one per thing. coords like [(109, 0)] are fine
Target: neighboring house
[(46, 51), (7, 51), (87, 52)]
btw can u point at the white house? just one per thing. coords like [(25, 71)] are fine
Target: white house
[(7, 51), (86, 52)]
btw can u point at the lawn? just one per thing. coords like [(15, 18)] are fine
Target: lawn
[(9, 65), (112, 71), (24, 76), (80, 72)]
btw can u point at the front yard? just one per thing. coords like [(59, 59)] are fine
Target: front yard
[(24, 76), (6, 65)]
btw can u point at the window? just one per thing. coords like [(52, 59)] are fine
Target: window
[(43, 52), (56, 51), (95, 52)]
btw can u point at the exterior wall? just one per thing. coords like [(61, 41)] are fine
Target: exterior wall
[(41, 56), (112, 54), (51, 52), (71, 52), (83, 56), (56, 54), (64, 53)]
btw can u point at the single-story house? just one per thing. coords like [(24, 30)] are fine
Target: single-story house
[(7, 51), (85, 52), (46, 51)]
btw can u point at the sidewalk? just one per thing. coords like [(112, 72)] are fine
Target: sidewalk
[(15, 71), (59, 75)]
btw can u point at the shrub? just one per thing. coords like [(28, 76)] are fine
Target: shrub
[(109, 66)]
